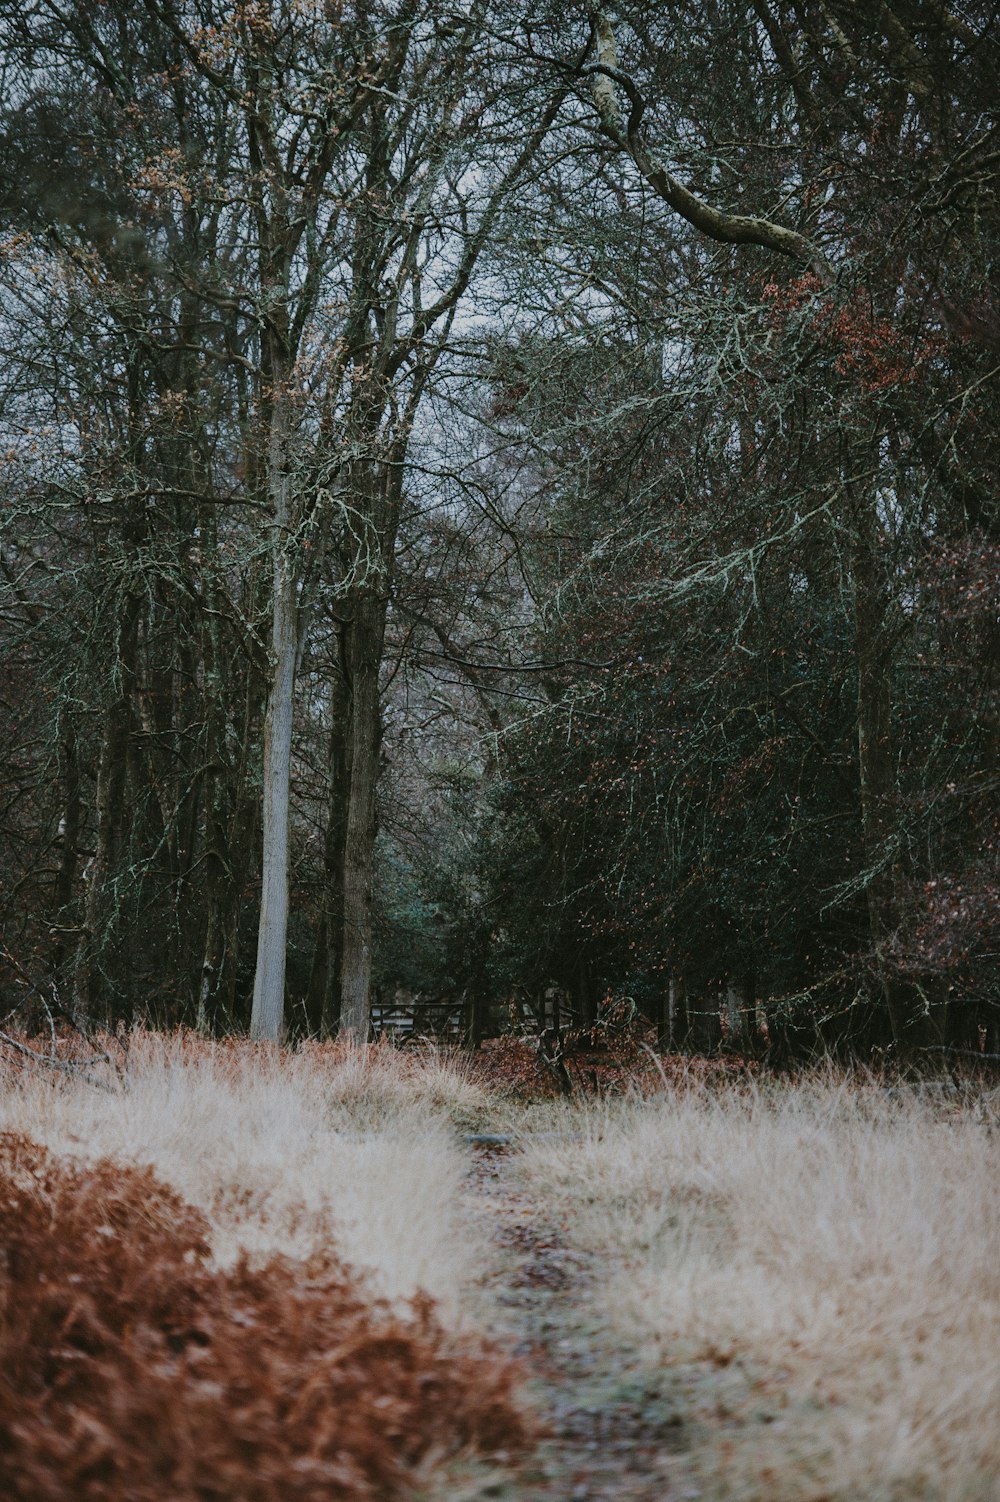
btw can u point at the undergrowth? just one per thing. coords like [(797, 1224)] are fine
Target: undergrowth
[(133, 1367), (240, 1272)]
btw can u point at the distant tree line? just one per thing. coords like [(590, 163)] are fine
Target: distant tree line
[(496, 502)]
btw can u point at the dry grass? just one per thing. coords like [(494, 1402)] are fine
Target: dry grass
[(834, 1247), (285, 1153), (816, 1264)]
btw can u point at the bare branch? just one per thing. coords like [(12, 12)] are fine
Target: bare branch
[(729, 229)]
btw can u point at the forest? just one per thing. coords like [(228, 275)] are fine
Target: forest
[(497, 501)]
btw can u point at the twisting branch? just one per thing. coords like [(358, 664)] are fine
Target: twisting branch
[(606, 78)]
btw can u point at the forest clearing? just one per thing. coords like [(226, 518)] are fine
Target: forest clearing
[(239, 1272)]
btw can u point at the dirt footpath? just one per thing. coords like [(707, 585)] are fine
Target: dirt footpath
[(611, 1431)]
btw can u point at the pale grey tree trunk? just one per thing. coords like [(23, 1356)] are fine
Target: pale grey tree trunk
[(267, 1017)]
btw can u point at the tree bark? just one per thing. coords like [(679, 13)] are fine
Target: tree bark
[(88, 988), (69, 852), (677, 1026), (323, 995), (363, 655), (736, 1013), (606, 77), (218, 873), (877, 769), (112, 774), (267, 1017)]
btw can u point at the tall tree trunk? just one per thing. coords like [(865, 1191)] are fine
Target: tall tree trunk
[(231, 828), (267, 1017), (89, 996), (677, 1025), (218, 871), (363, 655), (69, 853), (323, 995), (214, 952), (735, 1003), (242, 834), (877, 769)]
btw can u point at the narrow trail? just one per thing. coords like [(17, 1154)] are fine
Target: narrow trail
[(611, 1432)]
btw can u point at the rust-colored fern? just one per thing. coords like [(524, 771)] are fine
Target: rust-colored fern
[(131, 1369)]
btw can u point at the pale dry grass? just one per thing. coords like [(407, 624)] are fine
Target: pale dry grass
[(836, 1249), (286, 1152)]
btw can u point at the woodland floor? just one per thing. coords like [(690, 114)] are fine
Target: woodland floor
[(688, 1282), (726, 1419)]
